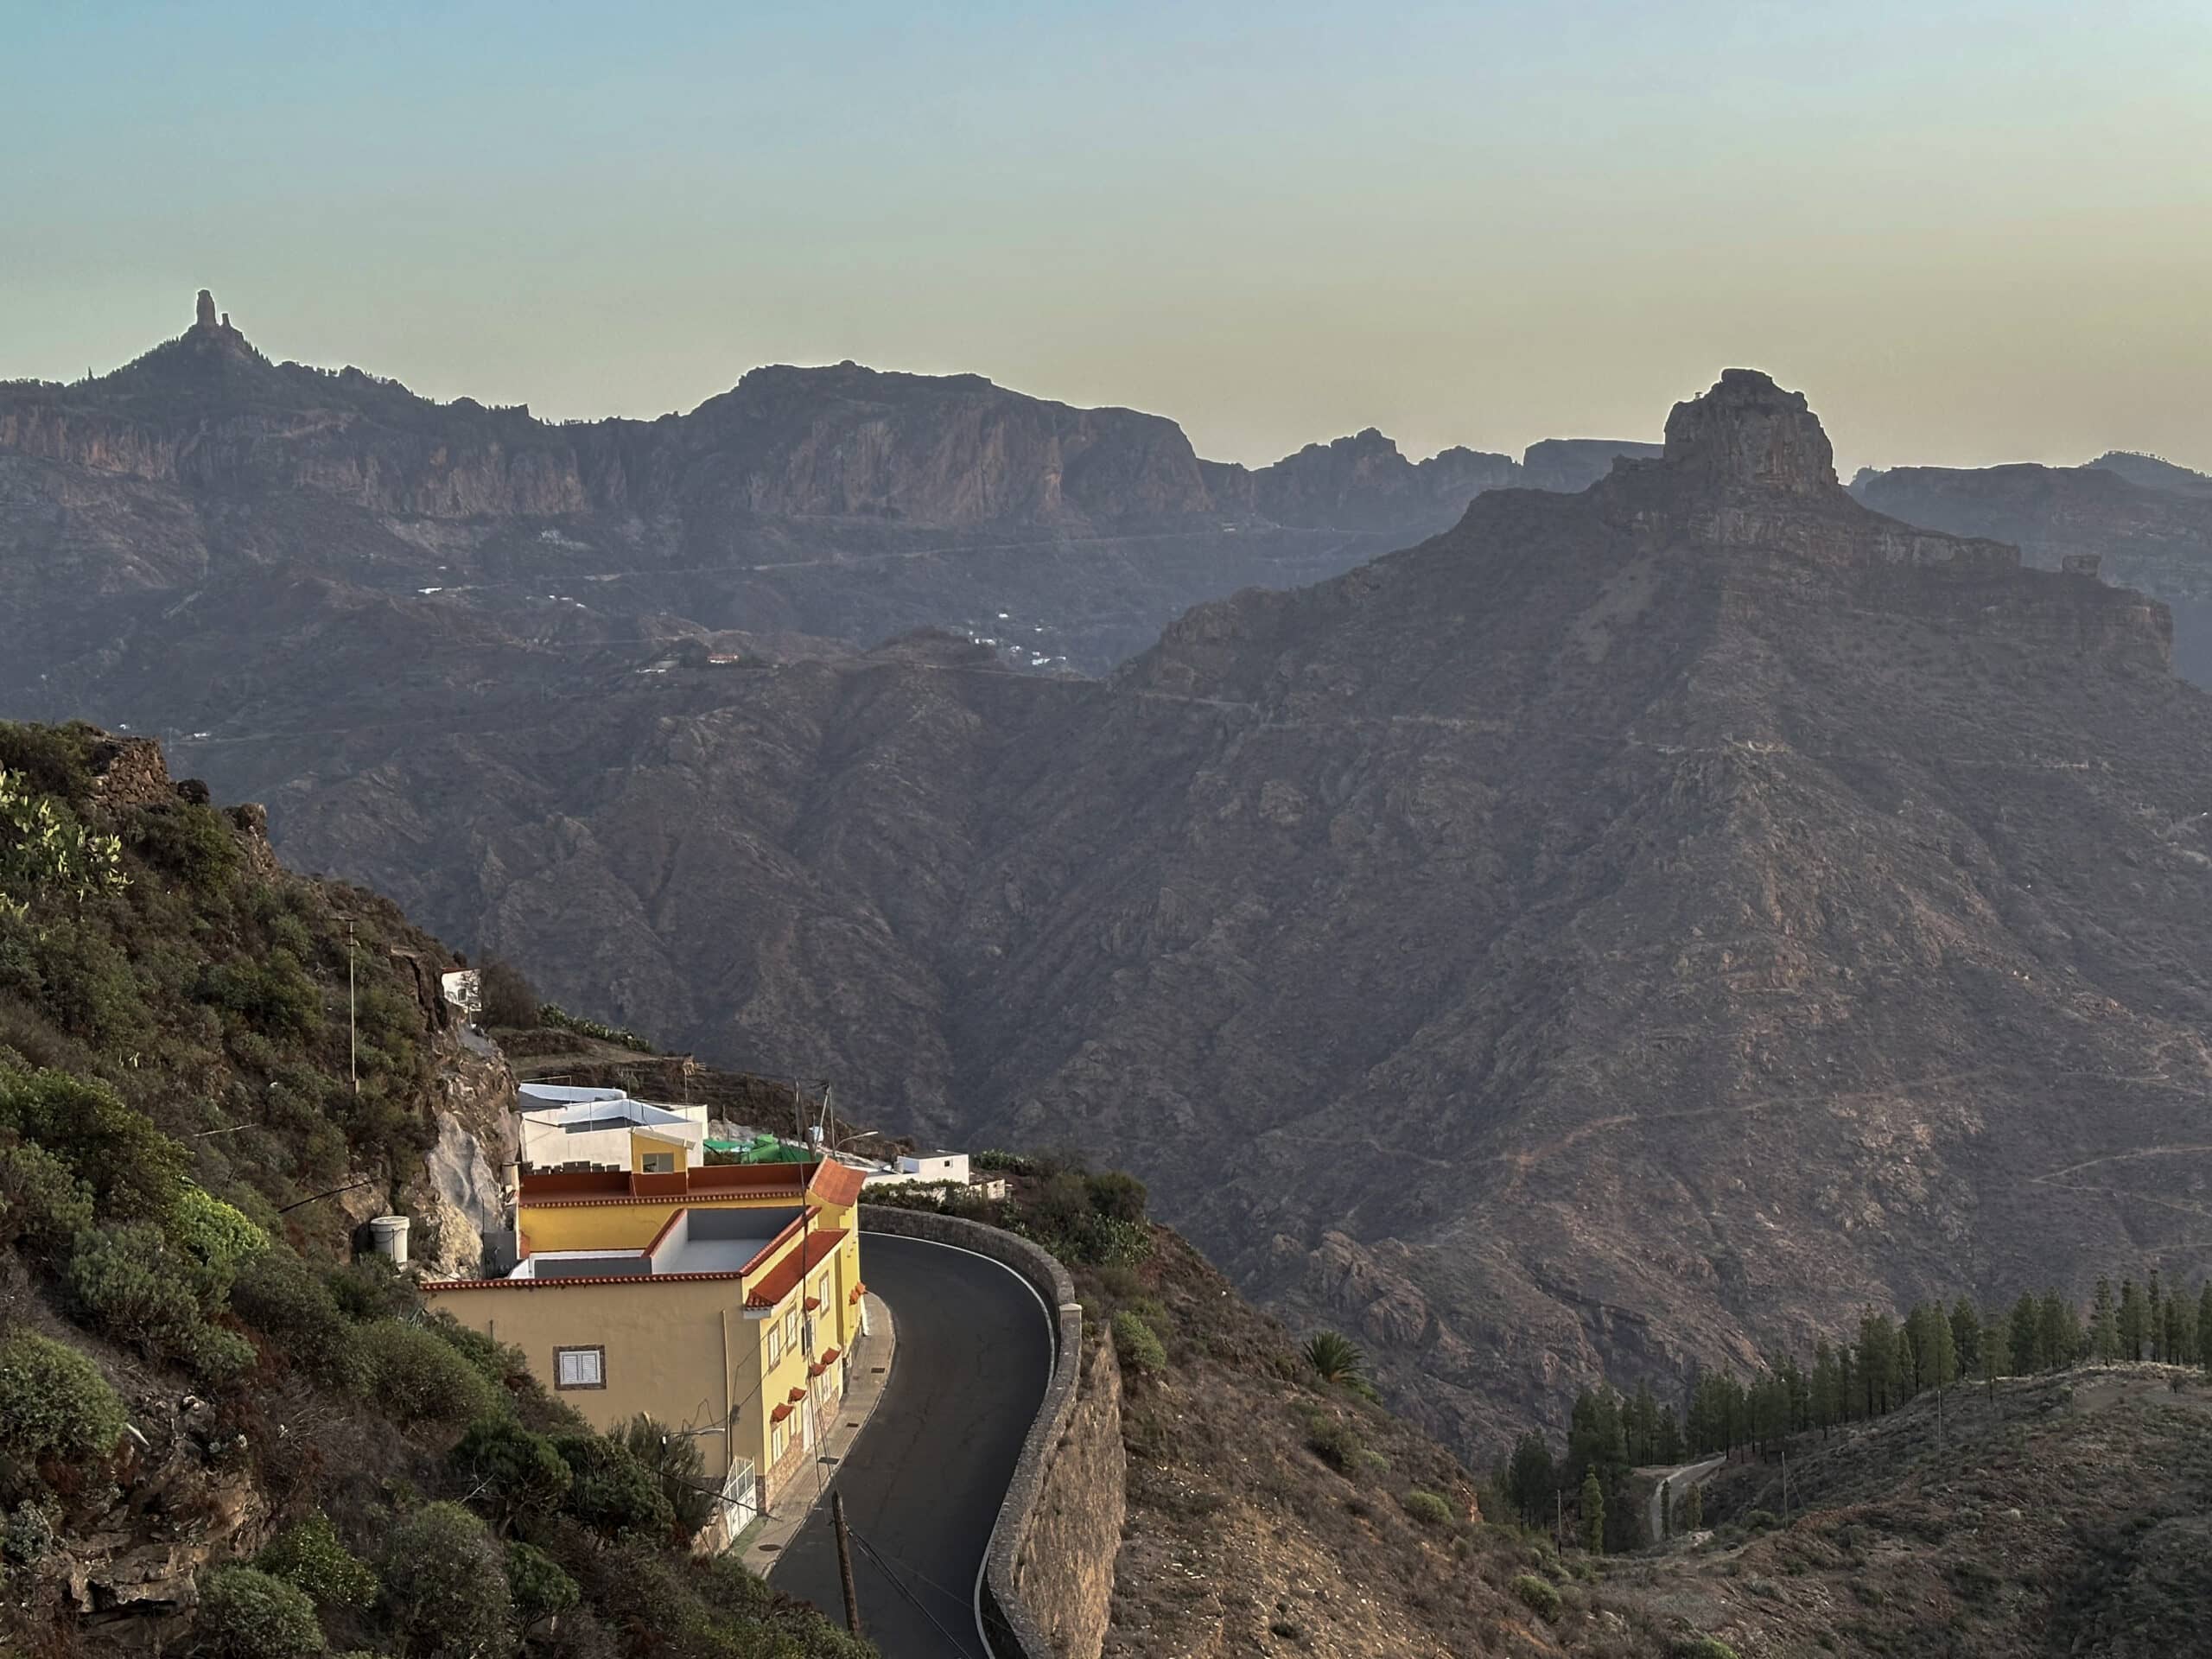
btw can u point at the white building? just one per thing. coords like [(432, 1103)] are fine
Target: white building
[(604, 1128)]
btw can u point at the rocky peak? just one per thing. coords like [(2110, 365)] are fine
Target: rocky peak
[(1747, 433), (204, 311)]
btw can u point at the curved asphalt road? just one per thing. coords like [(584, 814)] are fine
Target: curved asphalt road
[(923, 1482)]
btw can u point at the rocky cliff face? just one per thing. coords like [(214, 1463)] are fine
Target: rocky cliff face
[(2139, 522), (1363, 482), (1626, 931), (1570, 466)]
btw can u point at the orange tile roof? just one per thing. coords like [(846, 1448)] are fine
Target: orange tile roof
[(780, 1280), (836, 1183)]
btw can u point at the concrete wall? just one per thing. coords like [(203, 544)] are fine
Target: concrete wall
[(1048, 1584)]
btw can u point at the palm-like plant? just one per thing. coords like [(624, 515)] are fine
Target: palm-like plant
[(1335, 1357)]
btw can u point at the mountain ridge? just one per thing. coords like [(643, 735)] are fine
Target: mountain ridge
[(1456, 944)]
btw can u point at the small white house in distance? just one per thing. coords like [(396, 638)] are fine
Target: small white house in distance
[(606, 1129), (914, 1169)]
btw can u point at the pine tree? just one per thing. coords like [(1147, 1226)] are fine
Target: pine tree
[(2024, 1335), (1671, 1437), (2059, 1341), (2154, 1318), (1593, 1515), (1694, 1510), (1877, 1362), (1529, 1480), (1966, 1337), (2204, 1325), (2131, 1320), (2104, 1325), (1826, 1408)]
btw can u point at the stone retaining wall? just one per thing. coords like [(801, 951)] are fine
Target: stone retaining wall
[(1049, 1581)]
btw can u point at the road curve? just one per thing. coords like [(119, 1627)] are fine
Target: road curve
[(923, 1482), (1673, 1484)]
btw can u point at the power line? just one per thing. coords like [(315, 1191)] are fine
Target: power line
[(921, 1607)]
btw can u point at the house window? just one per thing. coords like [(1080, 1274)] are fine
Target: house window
[(660, 1163), (580, 1368), (778, 1439), (775, 1344), (791, 1329)]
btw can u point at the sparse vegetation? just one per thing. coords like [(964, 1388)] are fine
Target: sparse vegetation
[(175, 1115)]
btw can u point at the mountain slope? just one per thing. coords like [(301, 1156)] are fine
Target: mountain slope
[(1700, 896), (2148, 521)]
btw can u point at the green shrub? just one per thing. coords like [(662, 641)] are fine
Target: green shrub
[(445, 1585), (274, 993), (613, 1493), (246, 1614), (1332, 1440), (217, 1356), (1703, 1647), (189, 840), (54, 1403), (1761, 1521), (135, 1171), (1139, 1349), (1430, 1509), (500, 1363), (677, 1469), (217, 1237), (130, 1283), (540, 1589), (520, 1472), (50, 759), (86, 987), (511, 1001), (42, 1203), (310, 1556), (417, 1378), (370, 1288), (1117, 1195), (287, 1301), (1537, 1596)]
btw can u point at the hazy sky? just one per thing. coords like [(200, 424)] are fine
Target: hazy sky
[(1971, 233)]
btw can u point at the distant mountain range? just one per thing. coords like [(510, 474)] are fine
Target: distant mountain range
[(1626, 931), (205, 506)]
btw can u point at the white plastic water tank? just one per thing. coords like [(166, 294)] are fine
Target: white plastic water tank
[(390, 1233)]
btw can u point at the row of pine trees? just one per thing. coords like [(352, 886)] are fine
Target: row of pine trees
[(1893, 1360)]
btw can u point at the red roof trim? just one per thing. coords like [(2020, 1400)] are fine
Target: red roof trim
[(435, 1287), (782, 1278), (666, 1227), (768, 1250)]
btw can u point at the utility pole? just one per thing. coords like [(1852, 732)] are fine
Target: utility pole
[(352, 1024), (845, 1563), (1559, 1519), (1785, 1482)]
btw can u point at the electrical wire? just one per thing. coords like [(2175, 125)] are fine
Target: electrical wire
[(884, 1565)]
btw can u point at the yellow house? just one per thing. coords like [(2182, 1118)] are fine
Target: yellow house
[(723, 1301)]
